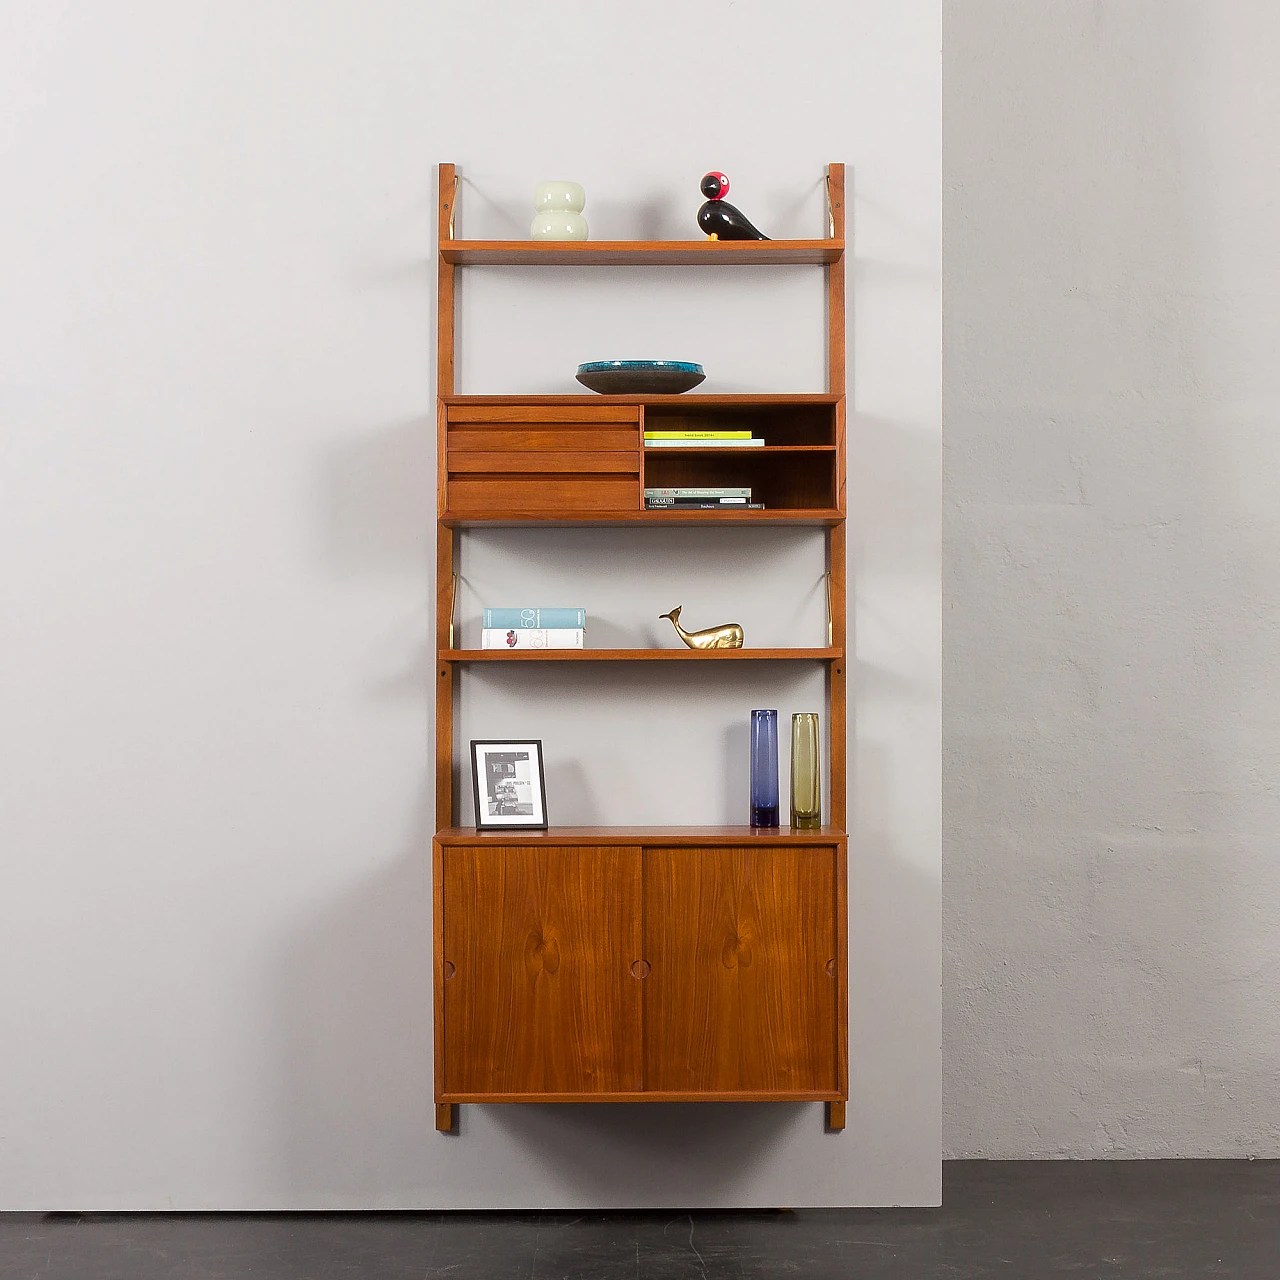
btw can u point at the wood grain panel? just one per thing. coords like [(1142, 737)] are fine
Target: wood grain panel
[(642, 253), (835, 285), (445, 311), (507, 436), (688, 837), (593, 402), (631, 517), (837, 679), (524, 461), (540, 998), (499, 495), (505, 409), (639, 655), (740, 997)]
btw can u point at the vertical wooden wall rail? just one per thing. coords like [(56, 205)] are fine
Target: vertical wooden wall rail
[(446, 675), (448, 193), (835, 285), (446, 678), (837, 678), (836, 565), (446, 543), (838, 669)]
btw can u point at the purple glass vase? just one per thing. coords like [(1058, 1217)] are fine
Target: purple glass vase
[(764, 768)]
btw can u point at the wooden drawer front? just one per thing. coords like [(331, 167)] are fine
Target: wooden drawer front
[(494, 495), (533, 460), (514, 437), (524, 429), (572, 462), (501, 413)]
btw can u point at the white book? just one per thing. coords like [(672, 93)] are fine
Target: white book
[(533, 638)]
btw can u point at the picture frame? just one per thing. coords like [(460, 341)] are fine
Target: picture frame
[(508, 785)]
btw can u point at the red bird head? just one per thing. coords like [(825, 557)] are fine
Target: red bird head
[(714, 185)]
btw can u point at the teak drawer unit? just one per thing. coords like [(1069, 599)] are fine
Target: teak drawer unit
[(530, 459), (614, 966)]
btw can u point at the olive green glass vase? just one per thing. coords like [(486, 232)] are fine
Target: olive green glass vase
[(806, 772)]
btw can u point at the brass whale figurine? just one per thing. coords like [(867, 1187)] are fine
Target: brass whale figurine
[(726, 636)]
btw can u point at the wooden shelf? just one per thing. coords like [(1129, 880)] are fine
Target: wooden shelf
[(734, 449), (640, 253), (651, 1095), (640, 655), (695, 400), (688, 837), (646, 519)]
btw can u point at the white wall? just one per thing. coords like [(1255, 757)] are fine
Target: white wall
[(1112, 575), (216, 247)]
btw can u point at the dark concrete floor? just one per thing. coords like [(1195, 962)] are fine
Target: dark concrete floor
[(1024, 1221)]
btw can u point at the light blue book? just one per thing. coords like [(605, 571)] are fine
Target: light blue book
[(515, 619)]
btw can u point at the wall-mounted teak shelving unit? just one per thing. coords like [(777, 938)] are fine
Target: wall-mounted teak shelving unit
[(633, 964)]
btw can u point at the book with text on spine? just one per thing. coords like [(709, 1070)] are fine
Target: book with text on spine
[(650, 443), (696, 502), (702, 506), (533, 638), (708, 491), (697, 435), (535, 618)]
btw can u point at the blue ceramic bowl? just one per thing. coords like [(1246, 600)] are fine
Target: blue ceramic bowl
[(640, 377)]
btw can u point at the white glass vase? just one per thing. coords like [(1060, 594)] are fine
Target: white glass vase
[(559, 216)]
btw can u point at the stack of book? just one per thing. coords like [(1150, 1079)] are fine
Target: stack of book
[(700, 440), (707, 498), (534, 629)]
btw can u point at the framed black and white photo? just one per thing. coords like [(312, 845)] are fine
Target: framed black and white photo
[(506, 780)]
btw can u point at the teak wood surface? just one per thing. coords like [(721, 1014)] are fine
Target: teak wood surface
[(642, 253), (623, 972), (506, 462), (742, 992), (640, 655), (570, 518), (538, 948), (550, 917), (666, 837)]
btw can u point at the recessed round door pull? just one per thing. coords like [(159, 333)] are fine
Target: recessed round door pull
[(449, 970), (640, 969), (831, 968)]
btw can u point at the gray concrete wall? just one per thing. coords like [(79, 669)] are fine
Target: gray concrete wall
[(1112, 578)]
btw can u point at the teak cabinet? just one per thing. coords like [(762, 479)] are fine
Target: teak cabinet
[(655, 963)]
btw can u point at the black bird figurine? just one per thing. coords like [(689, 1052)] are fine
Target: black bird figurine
[(718, 218)]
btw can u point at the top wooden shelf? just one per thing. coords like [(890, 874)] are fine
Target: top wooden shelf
[(641, 253)]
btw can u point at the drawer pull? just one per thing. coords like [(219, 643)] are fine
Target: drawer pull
[(641, 969)]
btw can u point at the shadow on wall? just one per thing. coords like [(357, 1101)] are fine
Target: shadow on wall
[(352, 1018), (352, 1013), (598, 1151), (353, 993)]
